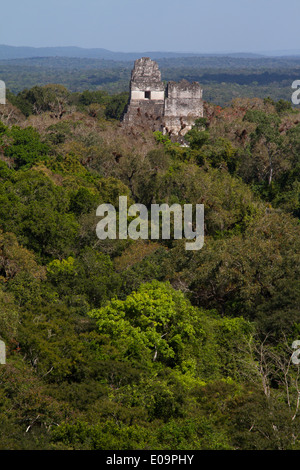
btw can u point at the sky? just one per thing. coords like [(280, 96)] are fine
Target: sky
[(202, 26)]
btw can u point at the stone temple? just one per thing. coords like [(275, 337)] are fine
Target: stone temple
[(171, 109)]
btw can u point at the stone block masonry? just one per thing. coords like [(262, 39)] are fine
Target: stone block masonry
[(147, 95), (171, 109)]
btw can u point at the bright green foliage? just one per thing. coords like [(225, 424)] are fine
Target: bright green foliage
[(152, 324), (157, 324)]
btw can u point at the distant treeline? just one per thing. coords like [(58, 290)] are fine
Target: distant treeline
[(223, 78)]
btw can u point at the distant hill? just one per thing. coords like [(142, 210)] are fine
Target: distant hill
[(283, 53), (13, 52)]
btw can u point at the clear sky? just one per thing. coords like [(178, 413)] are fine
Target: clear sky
[(156, 25)]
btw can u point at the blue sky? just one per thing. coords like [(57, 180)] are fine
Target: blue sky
[(156, 25)]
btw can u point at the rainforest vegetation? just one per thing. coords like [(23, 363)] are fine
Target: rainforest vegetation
[(123, 344)]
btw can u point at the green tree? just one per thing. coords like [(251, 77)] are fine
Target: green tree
[(23, 146), (116, 106)]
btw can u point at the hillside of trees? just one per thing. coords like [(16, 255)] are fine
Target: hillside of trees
[(126, 345)]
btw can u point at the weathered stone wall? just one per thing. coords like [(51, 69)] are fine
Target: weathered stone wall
[(183, 105), (146, 77), (183, 98), (171, 110), (147, 94), (145, 113)]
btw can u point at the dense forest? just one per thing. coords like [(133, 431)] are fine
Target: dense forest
[(222, 78), (123, 344)]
